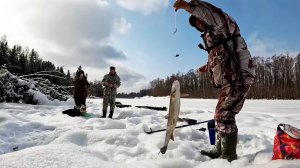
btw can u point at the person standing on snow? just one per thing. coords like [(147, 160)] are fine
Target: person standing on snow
[(81, 85), (111, 82), (231, 68)]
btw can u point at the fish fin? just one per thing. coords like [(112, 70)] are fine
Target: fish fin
[(172, 136), (167, 116), (180, 119)]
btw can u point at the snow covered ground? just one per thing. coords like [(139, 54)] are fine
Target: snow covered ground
[(41, 136)]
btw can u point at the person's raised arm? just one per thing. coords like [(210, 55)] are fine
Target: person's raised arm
[(198, 9), (182, 4)]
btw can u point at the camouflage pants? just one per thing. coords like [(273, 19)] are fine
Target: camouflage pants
[(109, 100), (231, 101)]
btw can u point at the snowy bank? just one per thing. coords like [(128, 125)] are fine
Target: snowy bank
[(23, 90), (41, 136)]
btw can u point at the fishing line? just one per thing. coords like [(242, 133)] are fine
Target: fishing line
[(175, 23), (175, 31), (157, 155)]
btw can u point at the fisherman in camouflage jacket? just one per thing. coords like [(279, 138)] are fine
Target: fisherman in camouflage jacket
[(110, 82), (230, 66)]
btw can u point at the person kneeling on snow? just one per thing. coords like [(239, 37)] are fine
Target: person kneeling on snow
[(81, 86), (75, 112), (231, 68)]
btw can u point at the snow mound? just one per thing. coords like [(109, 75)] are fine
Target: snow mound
[(29, 91), (128, 114), (52, 156), (16, 136)]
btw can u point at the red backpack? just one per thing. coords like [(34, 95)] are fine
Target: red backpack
[(286, 143)]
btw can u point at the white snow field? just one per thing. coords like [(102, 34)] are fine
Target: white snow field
[(40, 136)]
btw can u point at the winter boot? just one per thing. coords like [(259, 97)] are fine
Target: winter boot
[(82, 110), (214, 153), (111, 113), (103, 114), (229, 142)]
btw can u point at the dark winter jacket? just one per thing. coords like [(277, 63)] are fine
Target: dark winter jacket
[(80, 90)]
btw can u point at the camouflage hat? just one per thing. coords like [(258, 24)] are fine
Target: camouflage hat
[(193, 19)]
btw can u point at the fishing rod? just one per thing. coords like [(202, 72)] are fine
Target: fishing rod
[(187, 125)]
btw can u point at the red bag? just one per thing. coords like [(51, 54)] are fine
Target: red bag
[(286, 143)]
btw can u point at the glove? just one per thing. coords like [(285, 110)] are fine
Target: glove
[(202, 69)]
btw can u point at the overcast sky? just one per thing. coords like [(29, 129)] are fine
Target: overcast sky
[(136, 36)]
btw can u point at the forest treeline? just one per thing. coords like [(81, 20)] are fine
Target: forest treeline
[(22, 61), (278, 77)]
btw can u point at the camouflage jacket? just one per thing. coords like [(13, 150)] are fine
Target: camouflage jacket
[(229, 60), (111, 79)]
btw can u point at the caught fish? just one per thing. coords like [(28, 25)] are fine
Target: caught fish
[(175, 31), (174, 109), (175, 22)]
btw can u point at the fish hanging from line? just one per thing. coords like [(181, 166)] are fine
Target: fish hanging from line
[(174, 109), (175, 22), (175, 31)]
